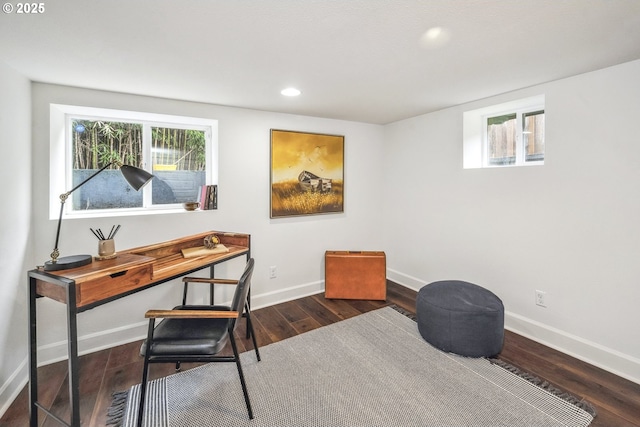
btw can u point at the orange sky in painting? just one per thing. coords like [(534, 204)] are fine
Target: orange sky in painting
[(293, 152)]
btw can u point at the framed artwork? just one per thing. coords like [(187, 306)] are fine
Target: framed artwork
[(307, 173)]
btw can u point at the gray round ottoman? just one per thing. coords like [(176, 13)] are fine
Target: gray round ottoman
[(460, 317)]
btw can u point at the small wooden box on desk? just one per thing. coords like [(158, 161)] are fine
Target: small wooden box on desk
[(355, 275)]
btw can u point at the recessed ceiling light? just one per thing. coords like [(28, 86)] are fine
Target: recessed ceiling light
[(290, 91), (435, 37)]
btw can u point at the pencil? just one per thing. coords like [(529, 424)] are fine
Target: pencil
[(111, 233), (94, 233), (116, 230)]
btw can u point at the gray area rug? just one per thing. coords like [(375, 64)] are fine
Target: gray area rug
[(371, 370)]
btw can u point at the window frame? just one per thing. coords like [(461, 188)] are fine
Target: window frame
[(61, 162), (474, 139)]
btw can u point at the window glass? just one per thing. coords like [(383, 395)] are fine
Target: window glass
[(179, 163), (95, 144), (533, 134), (501, 140)]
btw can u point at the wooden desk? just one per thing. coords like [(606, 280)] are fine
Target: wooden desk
[(100, 282)]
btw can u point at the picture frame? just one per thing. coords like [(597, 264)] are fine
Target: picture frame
[(307, 173)]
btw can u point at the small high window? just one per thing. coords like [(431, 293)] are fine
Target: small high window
[(509, 134)]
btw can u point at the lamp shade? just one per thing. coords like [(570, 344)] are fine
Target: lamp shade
[(136, 177)]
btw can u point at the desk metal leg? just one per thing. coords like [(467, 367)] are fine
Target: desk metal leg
[(212, 274), (33, 356), (72, 336), (249, 327)]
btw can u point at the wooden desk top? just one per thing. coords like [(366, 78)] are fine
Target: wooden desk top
[(168, 259), (137, 268)]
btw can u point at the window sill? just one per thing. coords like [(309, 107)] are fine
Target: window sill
[(128, 212), (517, 165)]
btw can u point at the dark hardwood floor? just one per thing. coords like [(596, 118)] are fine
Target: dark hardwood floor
[(616, 400)]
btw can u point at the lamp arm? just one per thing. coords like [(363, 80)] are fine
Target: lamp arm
[(63, 198), (56, 253), (65, 195)]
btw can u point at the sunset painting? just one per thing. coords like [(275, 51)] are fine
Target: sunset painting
[(307, 173)]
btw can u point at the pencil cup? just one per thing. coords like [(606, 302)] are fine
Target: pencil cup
[(106, 247)]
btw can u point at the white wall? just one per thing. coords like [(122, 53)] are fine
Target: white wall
[(295, 245), (15, 212), (569, 228)]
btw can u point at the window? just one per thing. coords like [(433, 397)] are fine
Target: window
[(509, 134), (181, 152), (507, 143)]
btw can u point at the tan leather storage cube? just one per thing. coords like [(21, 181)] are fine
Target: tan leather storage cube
[(355, 275)]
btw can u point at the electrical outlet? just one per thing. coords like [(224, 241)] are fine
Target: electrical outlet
[(541, 297), (272, 272)]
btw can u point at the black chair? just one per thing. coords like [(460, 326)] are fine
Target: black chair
[(197, 333)]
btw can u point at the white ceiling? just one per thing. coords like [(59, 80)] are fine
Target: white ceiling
[(360, 60)]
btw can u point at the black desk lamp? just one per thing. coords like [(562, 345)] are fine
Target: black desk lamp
[(136, 177)]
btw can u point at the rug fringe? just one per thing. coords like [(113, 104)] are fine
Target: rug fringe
[(401, 310), (115, 413), (545, 385)]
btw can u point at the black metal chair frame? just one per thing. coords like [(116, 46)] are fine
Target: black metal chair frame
[(211, 283), (205, 312)]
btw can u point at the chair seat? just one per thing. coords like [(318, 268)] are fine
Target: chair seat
[(204, 337)]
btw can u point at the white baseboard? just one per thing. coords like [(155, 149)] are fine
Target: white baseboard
[(13, 386), (610, 360), (405, 280), (595, 354), (284, 295)]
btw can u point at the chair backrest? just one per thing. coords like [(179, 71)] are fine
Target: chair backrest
[(241, 293)]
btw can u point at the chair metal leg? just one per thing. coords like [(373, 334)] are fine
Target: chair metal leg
[(253, 335), (184, 293), (246, 314), (241, 375), (247, 305), (143, 392), (145, 374)]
